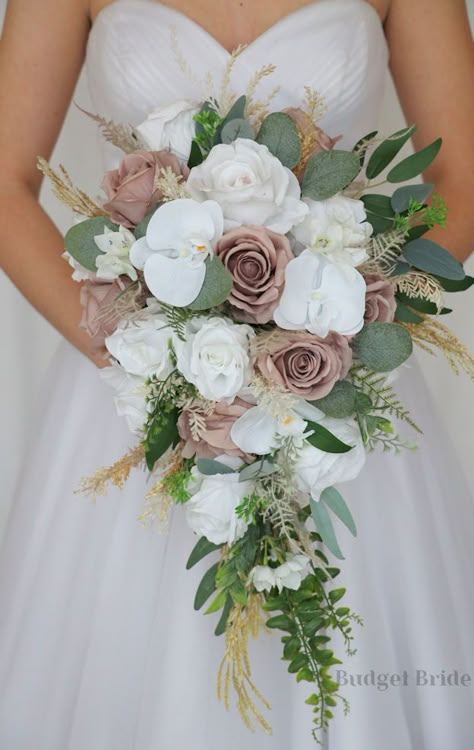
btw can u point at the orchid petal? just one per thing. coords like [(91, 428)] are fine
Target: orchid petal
[(175, 281), (254, 431), (140, 252)]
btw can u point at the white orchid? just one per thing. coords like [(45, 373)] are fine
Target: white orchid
[(261, 430), (336, 227), (114, 260), (321, 296), (180, 236), (288, 575)]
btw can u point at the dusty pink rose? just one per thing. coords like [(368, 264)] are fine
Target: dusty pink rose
[(94, 297), (256, 258), (380, 304), (319, 140), (131, 188), (215, 439), (306, 364)]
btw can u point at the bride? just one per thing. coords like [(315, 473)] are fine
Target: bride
[(100, 648)]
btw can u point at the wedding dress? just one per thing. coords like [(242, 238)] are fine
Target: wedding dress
[(100, 648)]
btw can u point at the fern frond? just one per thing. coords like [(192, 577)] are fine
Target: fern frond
[(419, 285), (384, 251), (374, 385)]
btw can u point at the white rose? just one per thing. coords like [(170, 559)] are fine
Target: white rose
[(210, 512), (321, 296), (215, 357), (290, 574), (250, 184), (171, 127), (143, 347), (180, 236), (336, 227), (316, 470), (130, 399), (262, 577), (115, 258)]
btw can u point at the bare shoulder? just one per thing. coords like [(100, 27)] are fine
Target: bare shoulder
[(41, 54)]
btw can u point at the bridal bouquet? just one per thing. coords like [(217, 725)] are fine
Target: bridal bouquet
[(255, 296)]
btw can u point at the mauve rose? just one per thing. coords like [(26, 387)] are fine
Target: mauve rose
[(215, 439), (306, 364), (380, 304), (256, 257), (131, 188), (320, 140), (94, 297)]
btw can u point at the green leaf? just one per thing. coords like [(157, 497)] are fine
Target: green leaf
[(203, 548), (422, 305), (206, 587), (387, 151), (401, 198), (217, 603), (259, 469), (196, 156), (216, 288), (378, 204), (221, 625), (383, 346), (328, 172), (323, 523), (279, 134), (281, 622), (160, 437), (239, 593), (363, 403), (238, 128), (379, 223), (417, 231), (237, 110), (428, 256), (209, 467), (405, 315), (336, 594), (305, 674), (323, 439), (300, 660), (79, 240), (415, 164), (363, 145), (338, 505), (291, 648), (400, 268), (340, 402), (456, 286)]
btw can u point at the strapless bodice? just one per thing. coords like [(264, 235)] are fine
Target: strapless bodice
[(334, 46)]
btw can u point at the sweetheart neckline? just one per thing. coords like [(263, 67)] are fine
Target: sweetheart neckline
[(288, 17)]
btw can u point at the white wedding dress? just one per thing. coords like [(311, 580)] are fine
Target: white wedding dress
[(100, 648)]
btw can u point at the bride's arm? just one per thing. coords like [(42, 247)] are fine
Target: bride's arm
[(432, 62), (41, 54)]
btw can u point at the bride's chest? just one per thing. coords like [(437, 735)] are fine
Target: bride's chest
[(143, 54)]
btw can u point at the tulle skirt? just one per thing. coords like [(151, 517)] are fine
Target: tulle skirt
[(100, 648)]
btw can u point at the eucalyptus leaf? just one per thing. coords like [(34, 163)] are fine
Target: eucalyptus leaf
[(428, 256), (363, 403), (207, 587), (237, 110), (216, 288), (279, 133), (340, 402), (387, 151), (418, 230), (203, 548), (338, 505), (400, 268), (383, 346), (401, 198), (238, 128), (79, 240), (329, 172), (324, 527), (456, 286), (142, 226), (323, 439), (378, 204), (415, 164), (195, 156), (259, 469), (209, 467), (379, 223)]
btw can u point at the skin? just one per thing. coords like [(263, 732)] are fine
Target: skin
[(41, 53)]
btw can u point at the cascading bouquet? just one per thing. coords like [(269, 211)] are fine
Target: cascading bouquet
[(255, 296)]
